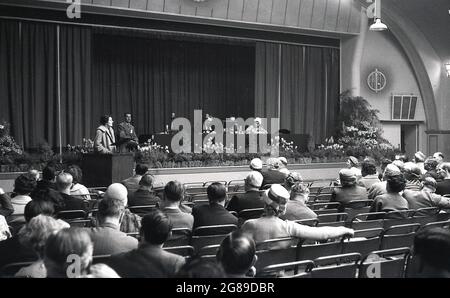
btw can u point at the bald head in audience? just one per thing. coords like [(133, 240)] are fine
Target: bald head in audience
[(117, 191), (64, 182)]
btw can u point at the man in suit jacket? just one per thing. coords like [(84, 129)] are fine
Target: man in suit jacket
[(144, 196), (251, 199), (426, 197), (214, 213), (107, 236), (127, 134), (443, 187), (63, 184), (149, 260), (173, 194), (132, 183)]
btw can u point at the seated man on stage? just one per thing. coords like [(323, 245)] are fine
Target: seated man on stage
[(127, 138), (256, 128)]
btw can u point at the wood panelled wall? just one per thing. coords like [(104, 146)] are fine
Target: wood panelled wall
[(339, 16)]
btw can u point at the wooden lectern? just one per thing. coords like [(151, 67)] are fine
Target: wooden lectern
[(100, 170)]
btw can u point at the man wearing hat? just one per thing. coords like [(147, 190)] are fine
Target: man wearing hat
[(419, 159), (349, 190), (251, 199), (256, 165), (379, 188), (270, 226)]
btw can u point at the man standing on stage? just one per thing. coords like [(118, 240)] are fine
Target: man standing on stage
[(127, 135)]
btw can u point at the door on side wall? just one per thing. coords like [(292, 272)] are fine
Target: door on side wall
[(409, 139)]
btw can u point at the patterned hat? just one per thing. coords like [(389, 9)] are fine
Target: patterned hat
[(347, 175), (420, 156), (353, 160), (276, 197), (254, 179), (283, 160)]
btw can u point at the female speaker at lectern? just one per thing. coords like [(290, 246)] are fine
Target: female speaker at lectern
[(105, 140)]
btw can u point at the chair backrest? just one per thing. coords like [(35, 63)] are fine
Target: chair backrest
[(180, 237), (384, 264), (441, 224), (142, 210), (398, 236), (208, 250), (72, 214), (337, 266), (208, 183), (82, 223), (308, 222), (287, 270), (184, 251), (314, 251), (427, 211), (331, 205), (322, 197), (9, 270), (134, 235), (332, 219), (214, 230), (363, 242), (198, 197), (198, 242), (276, 256), (250, 213)]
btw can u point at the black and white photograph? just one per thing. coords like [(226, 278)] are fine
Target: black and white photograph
[(224, 146)]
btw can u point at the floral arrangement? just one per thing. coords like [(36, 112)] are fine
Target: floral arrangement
[(8, 145)]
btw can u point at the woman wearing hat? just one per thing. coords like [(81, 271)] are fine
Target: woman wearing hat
[(353, 164), (270, 226)]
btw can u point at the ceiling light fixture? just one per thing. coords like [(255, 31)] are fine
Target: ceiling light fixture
[(378, 24)]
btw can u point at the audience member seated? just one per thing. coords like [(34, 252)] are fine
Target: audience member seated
[(283, 165), (292, 179), (11, 249), (69, 248), (439, 157), (213, 213), (431, 168), (77, 189), (46, 189), (379, 188), (237, 255), (132, 183), (426, 197), (6, 208), (173, 194), (419, 160), (412, 175), (256, 165), (384, 163), (392, 200), (107, 237), (63, 184), (430, 254), (443, 187), (296, 208), (149, 259), (34, 235), (251, 199), (144, 195), (270, 226), (349, 190), (273, 175), (35, 174), (369, 173), (131, 222), (199, 268), (353, 165), (23, 186)]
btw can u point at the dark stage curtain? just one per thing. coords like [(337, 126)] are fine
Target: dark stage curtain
[(151, 78), (77, 121), (309, 87), (29, 50), (310, 90)]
